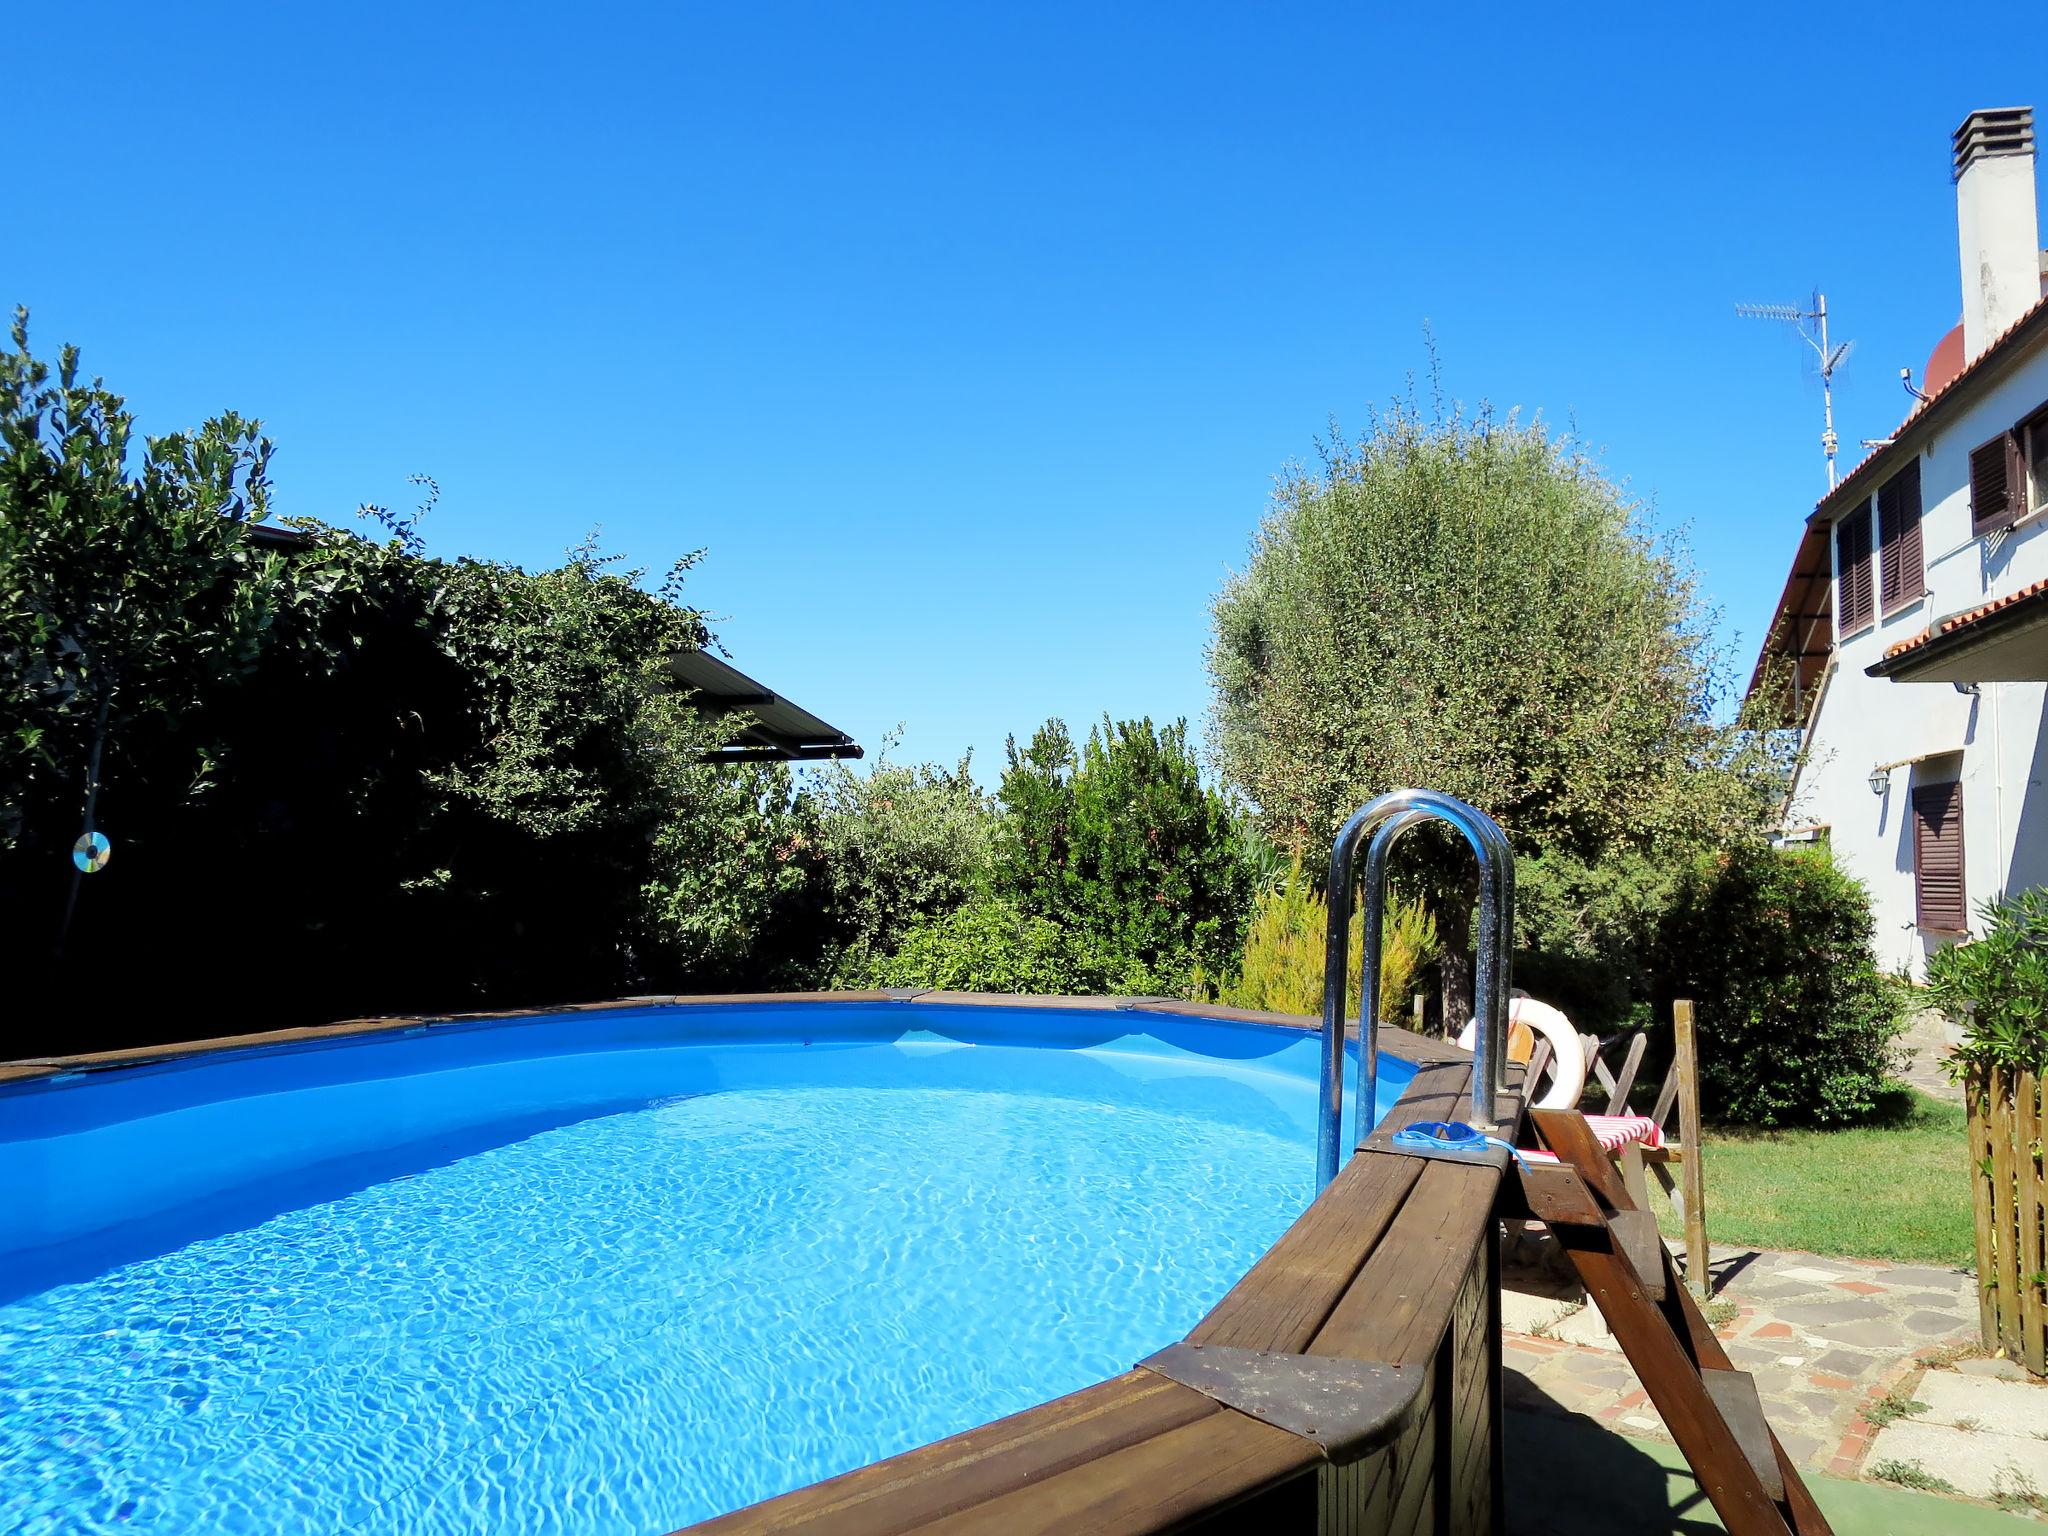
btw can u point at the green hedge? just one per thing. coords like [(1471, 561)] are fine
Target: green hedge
[(1797, 1023)]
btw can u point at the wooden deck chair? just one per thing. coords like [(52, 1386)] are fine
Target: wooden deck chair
[(1680, 1093)]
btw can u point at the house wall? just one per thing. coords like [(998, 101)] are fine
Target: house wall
[(2000, 753)]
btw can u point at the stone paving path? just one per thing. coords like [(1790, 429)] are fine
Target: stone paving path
[(1826, 1340), (1929, 1037), (1981, 1428)]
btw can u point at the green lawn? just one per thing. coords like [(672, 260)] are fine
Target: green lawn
[(1894, 1189)]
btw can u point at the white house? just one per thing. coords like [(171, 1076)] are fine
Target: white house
[(1911, 642)]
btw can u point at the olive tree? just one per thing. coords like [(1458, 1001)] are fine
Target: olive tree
[(1470, 605)]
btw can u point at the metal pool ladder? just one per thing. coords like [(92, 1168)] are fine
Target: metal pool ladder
[(1384, 820)]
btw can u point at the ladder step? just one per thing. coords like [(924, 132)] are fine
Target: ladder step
[(1734, 1393), (1712, 1410), (1635, 1233), (1558, 1196)]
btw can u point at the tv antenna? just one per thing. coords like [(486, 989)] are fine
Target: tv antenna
[(1812, 326)]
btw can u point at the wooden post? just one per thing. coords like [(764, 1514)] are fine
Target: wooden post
[(1686, 1064), (2011, 1200), (1977, 1086), (2005, 1259), (2032, 1193)]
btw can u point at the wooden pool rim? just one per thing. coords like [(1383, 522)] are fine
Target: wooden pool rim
[(1392, 1264)]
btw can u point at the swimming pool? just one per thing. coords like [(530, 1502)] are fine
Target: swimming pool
[(610, 1271)]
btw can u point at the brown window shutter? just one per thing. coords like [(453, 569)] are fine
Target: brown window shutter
[(1853, 605), (1993, 483), (1938, 857), (2032, 441), (1900, 577)]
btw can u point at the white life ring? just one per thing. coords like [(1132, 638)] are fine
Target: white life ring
[(1567, 1054)]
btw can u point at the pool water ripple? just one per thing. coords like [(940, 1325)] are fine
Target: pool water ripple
[(644, 1318)]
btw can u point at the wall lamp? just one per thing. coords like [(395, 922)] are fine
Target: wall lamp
[(1881, 778)]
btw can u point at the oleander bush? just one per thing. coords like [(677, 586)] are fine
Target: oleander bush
[(1996, 987), (340, 775)]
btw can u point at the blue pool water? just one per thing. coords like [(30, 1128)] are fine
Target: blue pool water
[(612, 1272)]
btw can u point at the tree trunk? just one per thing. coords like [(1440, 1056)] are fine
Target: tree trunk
[(1455, 971), (1454, 932)]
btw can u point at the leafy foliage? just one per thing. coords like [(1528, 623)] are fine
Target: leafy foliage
[(896, 845), (1996, 987), (128, 595), (1123, 843), (991, 946), (1282, 969), (347, 775), (1470, 605), (1797, 1024), (1586, 932), (732, 900)]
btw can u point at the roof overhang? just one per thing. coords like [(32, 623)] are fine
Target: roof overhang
[(1975, 380), (1802, 636), (773, 730), (1802, 628), (2001, 642)]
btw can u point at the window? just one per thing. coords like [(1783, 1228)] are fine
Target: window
[(1992, 481), (1938, 857), (1900, 579), (2009, 475), (1853, 605), (2033, 435)]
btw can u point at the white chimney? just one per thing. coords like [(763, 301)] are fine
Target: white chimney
[(1996, 218)]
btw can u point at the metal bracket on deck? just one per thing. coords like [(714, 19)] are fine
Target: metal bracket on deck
[(1347, 1407)]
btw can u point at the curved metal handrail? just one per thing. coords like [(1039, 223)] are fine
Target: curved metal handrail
[(1385, 819)]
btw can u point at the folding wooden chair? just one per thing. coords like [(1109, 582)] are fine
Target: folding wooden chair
[(1680, 1093)]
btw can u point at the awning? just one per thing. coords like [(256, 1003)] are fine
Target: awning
[(1802, 633), (2002, 641), (776, 730)]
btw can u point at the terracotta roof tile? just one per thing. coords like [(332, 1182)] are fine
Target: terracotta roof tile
[(1968, 371), (1957, 621)]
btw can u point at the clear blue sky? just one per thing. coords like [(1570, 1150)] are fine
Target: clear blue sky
[(967, 339)]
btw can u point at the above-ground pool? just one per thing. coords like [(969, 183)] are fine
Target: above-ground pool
[(610, 1271)]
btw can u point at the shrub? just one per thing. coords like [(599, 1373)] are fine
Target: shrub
[(1996, 987), (896, 845), (1282, 970), (991, 946), (436, 783), (1123, 846), (733, 897), (1797, 1023), (130, 595)]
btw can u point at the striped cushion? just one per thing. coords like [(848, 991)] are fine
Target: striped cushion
[(1613, 1132)]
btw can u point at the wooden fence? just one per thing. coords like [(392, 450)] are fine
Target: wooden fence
[(2012, 1224)]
